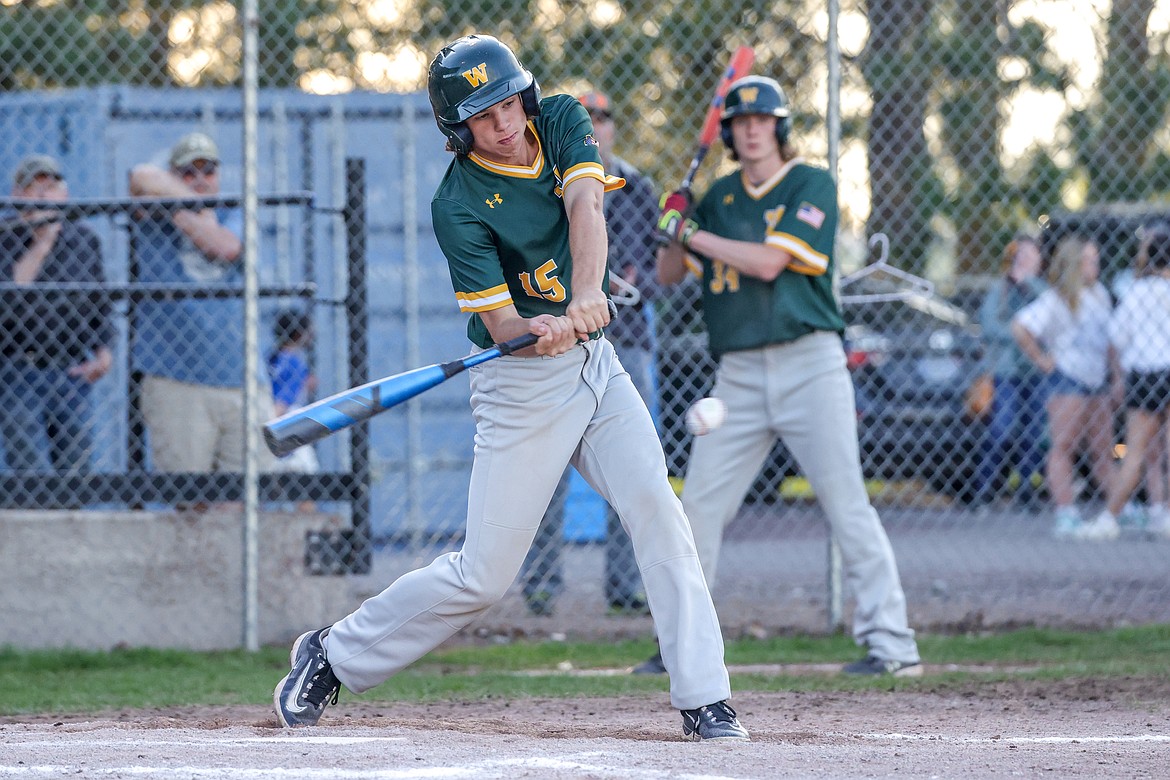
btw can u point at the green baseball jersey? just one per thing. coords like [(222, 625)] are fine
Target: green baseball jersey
[(796, 211), (504, 229)]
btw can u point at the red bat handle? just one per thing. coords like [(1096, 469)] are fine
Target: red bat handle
[(741, 63)]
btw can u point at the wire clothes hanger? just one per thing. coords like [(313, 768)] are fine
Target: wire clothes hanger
[(627, 295), (887, 283), (893, 284)]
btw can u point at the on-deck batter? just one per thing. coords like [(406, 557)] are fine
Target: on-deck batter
[(519, 217), (764, 237)]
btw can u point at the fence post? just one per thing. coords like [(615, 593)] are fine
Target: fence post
[(357, 318)]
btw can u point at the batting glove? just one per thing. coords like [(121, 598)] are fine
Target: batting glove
[(673, 224)]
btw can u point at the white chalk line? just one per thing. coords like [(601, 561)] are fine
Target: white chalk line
[(1056, 740), (599, 764), (503, 768), (305, 740), (63, 740)]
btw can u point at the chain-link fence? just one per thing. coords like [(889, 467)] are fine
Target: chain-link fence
[(961, 135)]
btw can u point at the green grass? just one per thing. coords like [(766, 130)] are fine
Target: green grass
[(71, 681)]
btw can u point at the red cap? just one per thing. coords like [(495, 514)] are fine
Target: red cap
[(596, 101)]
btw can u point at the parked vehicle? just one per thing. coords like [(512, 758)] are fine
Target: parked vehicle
[(912, 369), (1115, 227), (912, 362)]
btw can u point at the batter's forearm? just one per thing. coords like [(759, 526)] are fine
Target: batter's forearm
[(588, 244), (671, 264), (754, 259)]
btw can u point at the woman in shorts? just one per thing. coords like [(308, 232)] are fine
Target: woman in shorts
[(1140, 332), (1064, 332)]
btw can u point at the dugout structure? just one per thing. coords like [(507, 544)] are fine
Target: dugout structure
[(335, 220)]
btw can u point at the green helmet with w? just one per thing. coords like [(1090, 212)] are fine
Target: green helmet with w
[(471, 74), (754, 95)]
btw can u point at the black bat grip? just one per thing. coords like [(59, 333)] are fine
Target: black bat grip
[(528, 339), (518, 343)]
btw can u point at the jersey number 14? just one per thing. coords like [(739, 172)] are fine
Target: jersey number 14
[(724, 278)]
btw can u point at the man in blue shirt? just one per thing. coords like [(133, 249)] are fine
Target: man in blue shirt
[(191, 351)]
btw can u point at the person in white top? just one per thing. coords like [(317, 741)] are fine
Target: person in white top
[(1155, 482), (1064, 332), (1140, 332)]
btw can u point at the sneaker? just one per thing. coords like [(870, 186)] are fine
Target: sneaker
[(652, 665), (629, 605), (301, 696), (1158, 525), (1103, 528), (1068, 519), (540, 603), (1133, 514), (872, 665), (713, 722)]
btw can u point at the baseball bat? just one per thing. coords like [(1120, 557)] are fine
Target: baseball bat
[(741, 63), (349, 407)]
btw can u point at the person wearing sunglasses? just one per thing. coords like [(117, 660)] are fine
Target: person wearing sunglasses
[(190, 351)]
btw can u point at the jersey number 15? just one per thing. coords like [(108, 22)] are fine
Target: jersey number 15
[(547, 286)]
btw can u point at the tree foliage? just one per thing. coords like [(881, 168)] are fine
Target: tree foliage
[(933, 73)]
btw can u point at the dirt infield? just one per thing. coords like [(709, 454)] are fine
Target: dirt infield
[(1119, 728)]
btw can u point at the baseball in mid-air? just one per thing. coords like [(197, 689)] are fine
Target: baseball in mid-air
[(705, 415)]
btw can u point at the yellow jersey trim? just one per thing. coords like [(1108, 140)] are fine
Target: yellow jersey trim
[(515, 171), (485, 300), (757, 192), (592, 170), (805, 260)]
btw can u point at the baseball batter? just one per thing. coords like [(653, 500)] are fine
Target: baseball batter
[(519, 217), (763, 238)]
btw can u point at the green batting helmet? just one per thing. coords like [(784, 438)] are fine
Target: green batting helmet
[(473, 73), (754, 95)]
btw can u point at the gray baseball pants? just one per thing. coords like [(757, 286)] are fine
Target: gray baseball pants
[(543, 567), (801, 392), (534, 415)]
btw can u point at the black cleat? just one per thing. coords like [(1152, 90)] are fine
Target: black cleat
[(300, 698), (652, 665), (713, 722), (872, 665)]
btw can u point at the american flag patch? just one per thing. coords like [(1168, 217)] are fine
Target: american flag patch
[(590, 141), (811, 215)]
